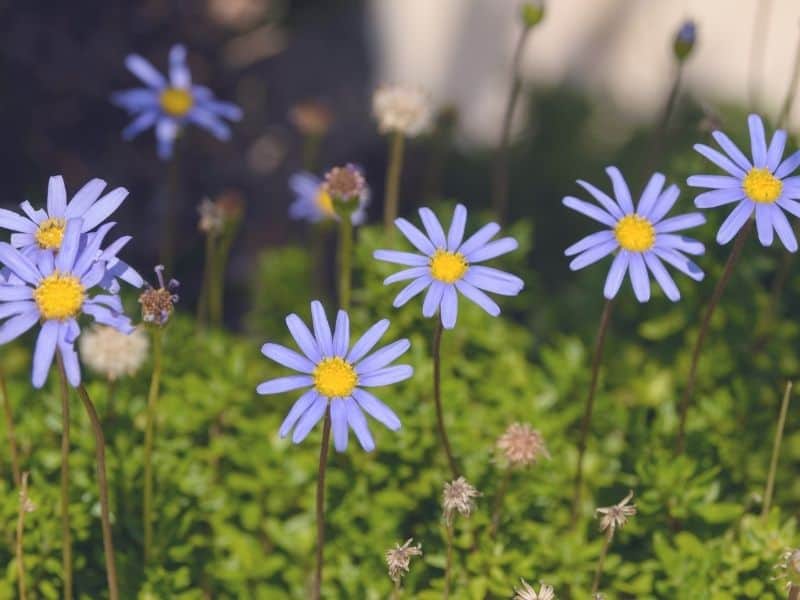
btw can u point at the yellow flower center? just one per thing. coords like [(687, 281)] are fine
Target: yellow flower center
[(447, 266), (335, 377), (50, 233), (176, 102), (635, 233), (59, 296), (761, 185), (324, 201)]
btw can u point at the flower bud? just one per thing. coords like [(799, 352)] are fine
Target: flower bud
[(532, 13), (685, 40)]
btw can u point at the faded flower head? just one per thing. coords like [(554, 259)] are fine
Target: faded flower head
[(26, 504), (345, 183), (615, 516), (311, 117), (521, 445), (789, 567), (112, 353), (399, 558), (526, 592), (215, 214), (458, 497), (158, 303), (401, 109), (211, 218)]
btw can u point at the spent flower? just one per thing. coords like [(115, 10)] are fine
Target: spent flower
[(616, 516), (448, 265), (113, 354), (169, 105), (158, 303), (336, 373), (521, 445), (763, 186), (311, 117), (641, 237), (458, 497), (401, 109), (398, 558), (313, 202), (526, 592)]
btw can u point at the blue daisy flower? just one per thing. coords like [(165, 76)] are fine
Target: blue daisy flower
[(312, 202), (641, 237), (336, 374), (53, 290), (447, 265), (762, 186), (41, 231), (169, 105)]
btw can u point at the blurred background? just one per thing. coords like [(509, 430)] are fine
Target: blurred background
[(597, 74)]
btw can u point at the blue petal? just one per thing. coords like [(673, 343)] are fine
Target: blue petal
[(758, 141), (298, 409), (415, 236), (433, 227), (179, 74), (145, 71), (70, 244), (455, 234), (650, 195), (84, 198), (288, 358), (20, 265), (734, 222), (411, 290), (616, 274), (310, 418), (719, 159), (44, 352), (449, 307), (382, 357), (479, 238), (284, 384), (433, 299), (303, 337), (14, 222), (376, 409), (401, 258), (733, 150), (16, 326), (367, 341), (339, 424), (322, 330), (621, 190), (359, 424), (637, 272), (478, 297), (386, 376), (493, 250), (103, 208), (662, 276), (341, 334), (56, 197)]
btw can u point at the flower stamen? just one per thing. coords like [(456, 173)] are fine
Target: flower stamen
[(762, 186), (635, 233), (447, 266), (50, 233), (59, 296), (176, 102), (335, 377)]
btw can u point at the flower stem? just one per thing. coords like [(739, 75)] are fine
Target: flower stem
[(605, 319), (601, 561), (311, 145), (448, 568), (172, 207), (776, 451), (345, 261), (10, 432), (105, 516), (794, 592), (437, 397), (23, 502), (396, 590), (498, 503), (736, 251), (791, 92), (316, 588), (204, 303), (500, 175), (152, 403), (390, 206), (66, 535), (757, 44)]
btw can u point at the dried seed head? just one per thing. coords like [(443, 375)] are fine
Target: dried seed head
[(458, 497), (401, 109), (345, 184), (526, 592), (227, 208), (25, 503), (311, 117), (158, 303), (612, 517), (789, 567), (521, 445), (399, 558), (211, 219), (111, 353)]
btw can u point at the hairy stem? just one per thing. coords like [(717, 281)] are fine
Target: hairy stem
[(597, 358), (10, 432), (437, 397), (500, 175), (776, 451), (149, 435), (794, 592), (105, 512), (66, 534), (23, 508), (448, 568), (716, 295), (757, 44), (498, 503), (390, 207), (345, 261), (601, 561), (316, 587)]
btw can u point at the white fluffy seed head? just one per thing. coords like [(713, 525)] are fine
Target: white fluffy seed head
[(401, 109), (111, 353)]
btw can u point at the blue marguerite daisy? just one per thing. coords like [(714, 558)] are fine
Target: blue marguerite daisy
[(313, 203), (53, 290), (448, 265), (336, 374), (41, 231), (170, 105), (762, 186), (641, 237)]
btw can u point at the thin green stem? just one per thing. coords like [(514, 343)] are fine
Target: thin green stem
[(311, 145), (396, 590), (498, 503), (10, 431), (171, 210), (659, 135), (776, 451), (111, 392), (437, 398), (23, 508), (316, 587), (448, 567), (791, 92), (218, 279), (757, 44), (105, 511), (597, 358), (149, 434), (716, 295), (66, 534), (500, 176), (345, 261), (390, 207), (601, 561), (204, 303)]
